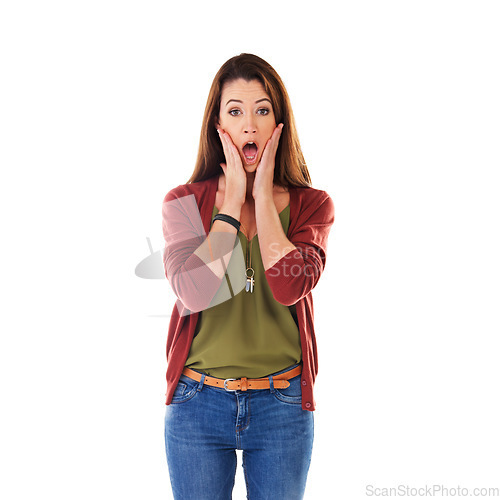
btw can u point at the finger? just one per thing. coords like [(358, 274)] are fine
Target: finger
[(275, 139), (232, 150), (272, 145), (224, 143), (277, 133), (226, 146)]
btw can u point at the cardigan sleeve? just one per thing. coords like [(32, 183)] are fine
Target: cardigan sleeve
[(298, 271), (192, 280)]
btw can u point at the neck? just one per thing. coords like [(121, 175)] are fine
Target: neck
[(250, 181)]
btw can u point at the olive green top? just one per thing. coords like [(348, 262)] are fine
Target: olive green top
[(250, 335)]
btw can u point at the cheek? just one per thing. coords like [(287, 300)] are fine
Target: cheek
[(228, 127), (223, 121), (268, 135), (270, 129)]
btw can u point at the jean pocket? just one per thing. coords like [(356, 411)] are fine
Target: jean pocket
[(291, 394), (185, 390)]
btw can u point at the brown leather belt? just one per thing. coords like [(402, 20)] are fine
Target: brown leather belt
[(242, 384)]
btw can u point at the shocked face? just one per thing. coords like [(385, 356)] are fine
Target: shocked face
[(246, 114)]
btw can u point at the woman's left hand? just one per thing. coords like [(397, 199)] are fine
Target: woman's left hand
[(264, 174)]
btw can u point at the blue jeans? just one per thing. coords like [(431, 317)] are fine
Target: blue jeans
[(204, 426)]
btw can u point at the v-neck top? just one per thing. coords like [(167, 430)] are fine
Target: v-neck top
[(252, 334), (291, 279)]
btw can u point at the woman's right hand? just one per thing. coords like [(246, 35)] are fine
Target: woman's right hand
[(234, 173)]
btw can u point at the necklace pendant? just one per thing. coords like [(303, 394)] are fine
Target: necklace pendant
[(250, 280), (249, 286)]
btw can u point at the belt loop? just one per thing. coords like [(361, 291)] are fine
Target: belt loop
[(271, 384), (244, 384), (201, 382)]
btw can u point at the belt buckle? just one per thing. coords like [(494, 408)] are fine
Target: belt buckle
[(225, 384)]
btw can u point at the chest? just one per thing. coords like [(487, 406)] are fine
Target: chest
[(247, 218)]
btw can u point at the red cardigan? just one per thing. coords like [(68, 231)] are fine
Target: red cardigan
[(291, 279)]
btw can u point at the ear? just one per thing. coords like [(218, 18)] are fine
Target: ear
[(216, 122)]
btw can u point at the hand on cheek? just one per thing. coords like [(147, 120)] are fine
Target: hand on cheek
[(263, 184), (233, 170)]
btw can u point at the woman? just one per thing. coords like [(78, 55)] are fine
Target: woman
[(245, 243)]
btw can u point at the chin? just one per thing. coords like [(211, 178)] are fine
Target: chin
[(250, 168)]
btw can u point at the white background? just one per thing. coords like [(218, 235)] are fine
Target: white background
[(397, 107)]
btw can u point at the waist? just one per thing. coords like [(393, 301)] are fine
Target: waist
[(278, 380)]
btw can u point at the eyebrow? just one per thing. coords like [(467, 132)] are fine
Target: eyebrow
[(257, 101)]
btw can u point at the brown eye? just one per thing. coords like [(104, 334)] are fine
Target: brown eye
[(263, 111), (234, 111)]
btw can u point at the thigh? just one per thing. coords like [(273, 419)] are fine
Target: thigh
[(201, 461), (278, 446)]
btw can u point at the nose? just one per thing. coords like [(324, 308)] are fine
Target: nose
[(249, 126)]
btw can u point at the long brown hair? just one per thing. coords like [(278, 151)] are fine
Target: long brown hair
[(290, 167)]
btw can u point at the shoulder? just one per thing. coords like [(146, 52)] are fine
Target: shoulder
[(310, 200), (311, 217), (198, 189)]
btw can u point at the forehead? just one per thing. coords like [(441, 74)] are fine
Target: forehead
[(242, 90)]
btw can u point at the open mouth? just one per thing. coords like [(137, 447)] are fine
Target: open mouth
[(250, 150)]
